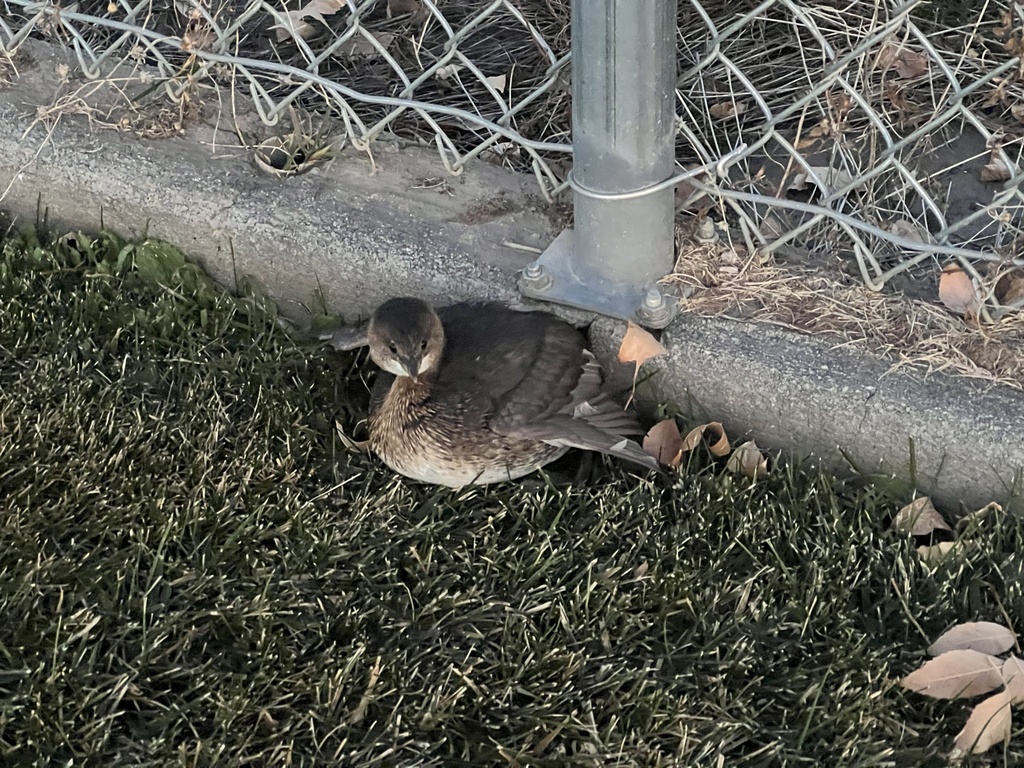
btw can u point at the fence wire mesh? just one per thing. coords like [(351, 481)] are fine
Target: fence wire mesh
[(858, 128)]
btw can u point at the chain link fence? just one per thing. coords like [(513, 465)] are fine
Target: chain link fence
[(855, 128)]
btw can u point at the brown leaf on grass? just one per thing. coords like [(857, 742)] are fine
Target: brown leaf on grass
[(956, 674), (908, 64), (935, 552), (920, 518), (989, 724), (359, 710), (398, 7), (718, 443), (983, 636), (314, 9), (748, 460), (1013, 678), (356, 446), (664, 443), (267, 722), (992, 506), (957, 291), (638, 345)]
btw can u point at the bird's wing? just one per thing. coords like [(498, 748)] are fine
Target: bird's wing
[(574, 412), (506, 361), (576, 433), (559, 397), (529, 375)]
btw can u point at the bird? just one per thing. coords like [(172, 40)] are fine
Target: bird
[(476, 393)]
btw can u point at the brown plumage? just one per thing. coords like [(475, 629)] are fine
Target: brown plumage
[(479, 393)]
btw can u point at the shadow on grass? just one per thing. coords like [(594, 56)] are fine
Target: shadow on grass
[(195, 572)]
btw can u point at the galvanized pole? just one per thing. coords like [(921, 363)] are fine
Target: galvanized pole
[(623, 109)]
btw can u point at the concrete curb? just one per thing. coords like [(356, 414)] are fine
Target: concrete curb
[(357, 237)]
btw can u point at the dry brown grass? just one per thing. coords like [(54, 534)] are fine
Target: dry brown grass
[(723, 281), (8, 67)]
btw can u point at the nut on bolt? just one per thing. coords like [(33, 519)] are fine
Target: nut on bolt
[(655, 311), (535, 278)]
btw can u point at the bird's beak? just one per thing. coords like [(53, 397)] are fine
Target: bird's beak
[(412, 366)]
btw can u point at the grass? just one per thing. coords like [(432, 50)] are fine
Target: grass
[(195, 572)]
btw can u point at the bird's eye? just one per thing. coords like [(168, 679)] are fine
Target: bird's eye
[(423, 345), (393, 347)]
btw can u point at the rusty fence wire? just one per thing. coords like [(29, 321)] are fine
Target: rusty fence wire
[(860, 128)]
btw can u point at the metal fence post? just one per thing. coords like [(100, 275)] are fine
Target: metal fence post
[(623, 129)]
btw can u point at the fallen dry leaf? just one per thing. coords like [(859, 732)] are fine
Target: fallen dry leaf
[(807, 143), (748, 460), (910, 230), (956, 674), (726, 109), (1013, 678), (957, 291), (358, 446), (359, 711), (984, 636), (688, 197), (664, 443), (831, 178), (315, 9), (638, 345), (718, 443), (267, 722), (907, 63), (989, 724), (920, 518), (360, 47), (498, 82), (992, 506), (935, 552), (771, 227), (448, 71), (996, 170)]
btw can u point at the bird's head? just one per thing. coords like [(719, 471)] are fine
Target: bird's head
[(406, 337)]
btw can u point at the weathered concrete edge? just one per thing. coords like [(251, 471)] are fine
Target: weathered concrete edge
[(355, 228), (359, 238), (955, 439)]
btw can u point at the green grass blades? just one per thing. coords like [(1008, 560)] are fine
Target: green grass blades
[(195, 572)]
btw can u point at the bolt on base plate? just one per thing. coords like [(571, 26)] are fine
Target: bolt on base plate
[(555, 278)]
